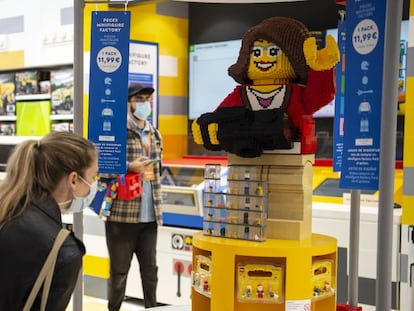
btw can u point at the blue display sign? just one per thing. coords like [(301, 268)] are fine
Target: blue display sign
[(365, 23), (108, 88), (338, 134), (143, 69)]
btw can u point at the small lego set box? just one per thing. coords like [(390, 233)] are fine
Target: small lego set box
[(260, 283), (61, 81), (322, 279), (201, 275), (32, 82), (7, 128), (7, 94), (60, 127)]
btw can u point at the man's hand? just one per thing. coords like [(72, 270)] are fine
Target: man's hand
[(323, 59), (138, 165)]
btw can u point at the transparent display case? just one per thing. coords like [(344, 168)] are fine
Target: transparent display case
[(237, 211)]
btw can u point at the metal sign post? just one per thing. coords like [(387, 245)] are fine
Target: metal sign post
[(354, 248), (387, 152), (77, 300)]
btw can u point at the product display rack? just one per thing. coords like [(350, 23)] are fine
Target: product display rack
[(238, 271), (239, 211)]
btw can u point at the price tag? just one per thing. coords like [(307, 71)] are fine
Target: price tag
[(109, 59), (365, 36)]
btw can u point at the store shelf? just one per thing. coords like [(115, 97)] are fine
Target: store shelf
[(32, 97), (7, 118), (59, 117), (15, 140)]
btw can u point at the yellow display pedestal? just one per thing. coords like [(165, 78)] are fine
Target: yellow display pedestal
[(296, 258)]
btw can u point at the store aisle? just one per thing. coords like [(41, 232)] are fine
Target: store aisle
[(96, 304)]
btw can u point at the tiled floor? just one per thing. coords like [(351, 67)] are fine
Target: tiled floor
[(96, 304)]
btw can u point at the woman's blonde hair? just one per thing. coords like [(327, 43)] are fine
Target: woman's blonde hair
[(36, 166)]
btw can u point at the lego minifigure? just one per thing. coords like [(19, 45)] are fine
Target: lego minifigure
[(248, 291), (272, 294), (259, 189), (259, 291), (206, 287), (246, 188), (247, 203)]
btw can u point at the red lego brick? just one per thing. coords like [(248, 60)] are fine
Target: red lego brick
[(345, 307), (308, 138), (129, 186)]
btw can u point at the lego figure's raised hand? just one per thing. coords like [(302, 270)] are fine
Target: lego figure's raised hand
[(323, 59), (283, 79)]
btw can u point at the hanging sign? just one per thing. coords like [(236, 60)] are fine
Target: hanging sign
[(108, 88), (365, 30)]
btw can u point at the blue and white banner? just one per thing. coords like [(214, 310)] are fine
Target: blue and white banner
[(365, 31), (143, 69), (108, 88), (338, 134)]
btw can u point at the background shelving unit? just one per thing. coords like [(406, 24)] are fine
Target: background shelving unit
[(36, 101)]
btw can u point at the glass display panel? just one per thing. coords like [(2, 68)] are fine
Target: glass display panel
[(178, 198), (182, 176), (330, 188)]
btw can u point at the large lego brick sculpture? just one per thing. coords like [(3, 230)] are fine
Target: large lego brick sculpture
[(267, 119), (289, 180)]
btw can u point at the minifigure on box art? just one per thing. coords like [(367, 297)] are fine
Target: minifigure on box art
[(283, 79), (259, 291)]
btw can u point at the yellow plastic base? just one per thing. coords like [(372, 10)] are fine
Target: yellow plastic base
[(297, 258)]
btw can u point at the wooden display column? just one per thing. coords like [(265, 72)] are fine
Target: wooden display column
[(289, 177)]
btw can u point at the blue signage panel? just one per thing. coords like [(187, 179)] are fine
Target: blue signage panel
[(338, 133), (108, 88), (365, 23), (143, 69)]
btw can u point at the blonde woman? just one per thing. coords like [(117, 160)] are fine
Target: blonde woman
[(43, 178)]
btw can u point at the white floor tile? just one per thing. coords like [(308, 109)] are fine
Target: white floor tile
[(96, 304)]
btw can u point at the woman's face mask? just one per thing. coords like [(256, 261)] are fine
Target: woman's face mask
[(78, 204)]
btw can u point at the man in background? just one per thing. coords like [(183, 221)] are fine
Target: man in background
[(131, 228)]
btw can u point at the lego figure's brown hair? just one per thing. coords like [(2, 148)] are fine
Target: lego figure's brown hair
[(286, 33)]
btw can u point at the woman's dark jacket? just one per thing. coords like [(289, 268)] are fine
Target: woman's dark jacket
[(25, 242)]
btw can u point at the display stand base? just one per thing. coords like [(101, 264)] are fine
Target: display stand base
[(296, 257)]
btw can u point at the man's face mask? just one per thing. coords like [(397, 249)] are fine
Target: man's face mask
[(142, 110)]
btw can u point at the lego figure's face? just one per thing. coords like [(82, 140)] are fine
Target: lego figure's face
[(267, 61)]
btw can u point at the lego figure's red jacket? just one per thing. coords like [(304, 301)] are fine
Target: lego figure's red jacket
[(300, 99), (248, 122)]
